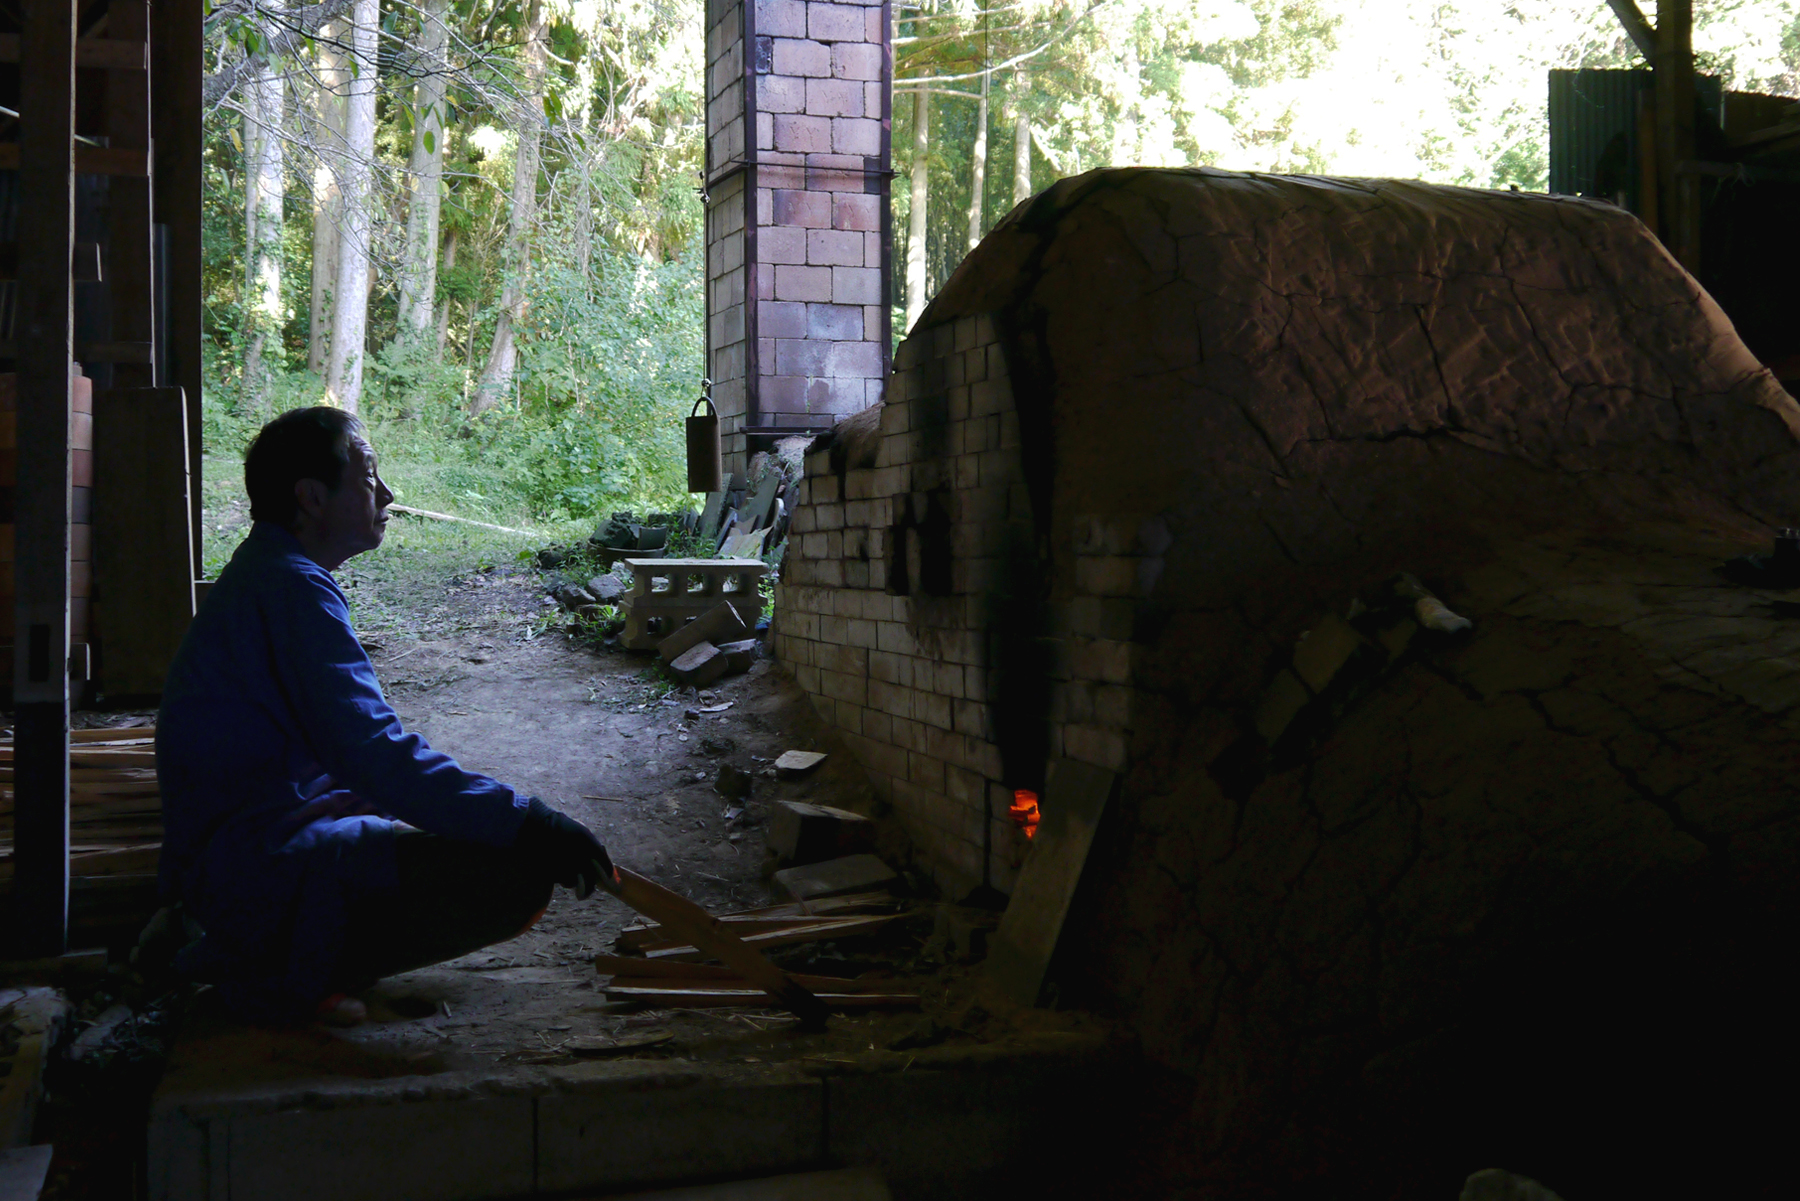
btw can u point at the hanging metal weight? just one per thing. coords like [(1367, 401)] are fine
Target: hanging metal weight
[(704, 464)]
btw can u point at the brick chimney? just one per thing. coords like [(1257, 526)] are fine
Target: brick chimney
[(798, 241)]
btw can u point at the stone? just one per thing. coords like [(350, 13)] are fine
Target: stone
[(792, 765), (834, 877), (721, 623), (733, 783), (741, 654), (801, 833), (699, 665), (606, 589)]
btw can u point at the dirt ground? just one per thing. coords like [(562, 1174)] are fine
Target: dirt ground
[(496, 678)]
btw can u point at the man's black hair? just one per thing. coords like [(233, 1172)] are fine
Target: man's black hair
[(301, 444)]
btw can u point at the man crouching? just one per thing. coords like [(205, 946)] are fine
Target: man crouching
[(282, 768)]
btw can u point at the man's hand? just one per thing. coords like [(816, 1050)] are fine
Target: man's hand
[(568, 850)]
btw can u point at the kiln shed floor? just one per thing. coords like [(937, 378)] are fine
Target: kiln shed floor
[(463, 1083)]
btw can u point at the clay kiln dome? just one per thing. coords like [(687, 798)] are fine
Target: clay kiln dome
[(1394, 906)]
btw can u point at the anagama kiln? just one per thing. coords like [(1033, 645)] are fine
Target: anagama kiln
[(1396, 906)]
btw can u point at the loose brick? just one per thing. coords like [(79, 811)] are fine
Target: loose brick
[(796, 56)]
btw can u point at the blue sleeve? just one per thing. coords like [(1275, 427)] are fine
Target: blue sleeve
[(356, 736)]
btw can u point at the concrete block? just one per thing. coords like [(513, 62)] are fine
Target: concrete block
[(874, 24), (801, 833), (856, 285), (796, 56), (834, 98), (780, 94), (615, 1135), (801, 134), (804, 283), (834, 323), (833, 248), (835, 23), (700, 665), (856, 60), (451, 1150), (854, 134), (781, 318), (781, 18), (809, 209)]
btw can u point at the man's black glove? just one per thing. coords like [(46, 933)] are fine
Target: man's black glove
[(568, 850)]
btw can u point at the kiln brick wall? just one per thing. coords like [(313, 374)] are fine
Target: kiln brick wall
[(910, 673)]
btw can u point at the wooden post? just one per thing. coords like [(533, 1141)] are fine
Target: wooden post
[(128, 266), (1679, 191), (175, 78), (41, 494)]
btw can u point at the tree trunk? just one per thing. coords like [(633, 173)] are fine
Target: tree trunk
[(443, 317), (418, 270), (915, 230), (978, 167), (1021, 158), (265, 101), (327, 203), (350, 300), (503, 352)]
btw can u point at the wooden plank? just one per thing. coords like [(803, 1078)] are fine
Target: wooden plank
[(693, 923), (1675, 130), (143, 586), (46, 234), (634, 938), (1019, 954), (89, 160), (852, 873), (786, 936), (642, 970), (704, 997), (176, 70)]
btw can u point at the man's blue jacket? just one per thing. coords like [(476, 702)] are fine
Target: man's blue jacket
[(281, 765)]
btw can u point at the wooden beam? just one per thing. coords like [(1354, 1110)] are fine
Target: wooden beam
[(1636, 27), (144, 584), (1075, 796), (1679, 194), (175, 78), (102, 54), (41, 498)]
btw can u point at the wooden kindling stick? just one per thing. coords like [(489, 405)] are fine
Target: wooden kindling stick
[(684, 919)]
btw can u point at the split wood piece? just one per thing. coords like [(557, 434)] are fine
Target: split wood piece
[(849, 903), (99, 754), (705, 997), (690, 921), (636, 938), (817, 932), (504, 529), (639, 970), (100, 775), (110, 734), (1019, 953), (105, 861), (617, 1046), (718, 624)]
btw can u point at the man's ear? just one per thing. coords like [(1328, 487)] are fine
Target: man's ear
[(310, 496)]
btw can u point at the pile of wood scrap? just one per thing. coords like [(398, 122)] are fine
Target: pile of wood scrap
[(114, 799), (658, 968), (115, 827)]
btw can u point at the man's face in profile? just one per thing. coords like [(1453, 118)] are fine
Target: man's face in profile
[(354, 516)]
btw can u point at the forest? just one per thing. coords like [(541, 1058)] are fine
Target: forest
[(477, 222)]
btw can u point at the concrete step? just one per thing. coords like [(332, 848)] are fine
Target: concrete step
[(943, 1123)]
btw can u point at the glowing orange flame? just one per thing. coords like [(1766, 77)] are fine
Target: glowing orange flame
[(1024, 810)]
